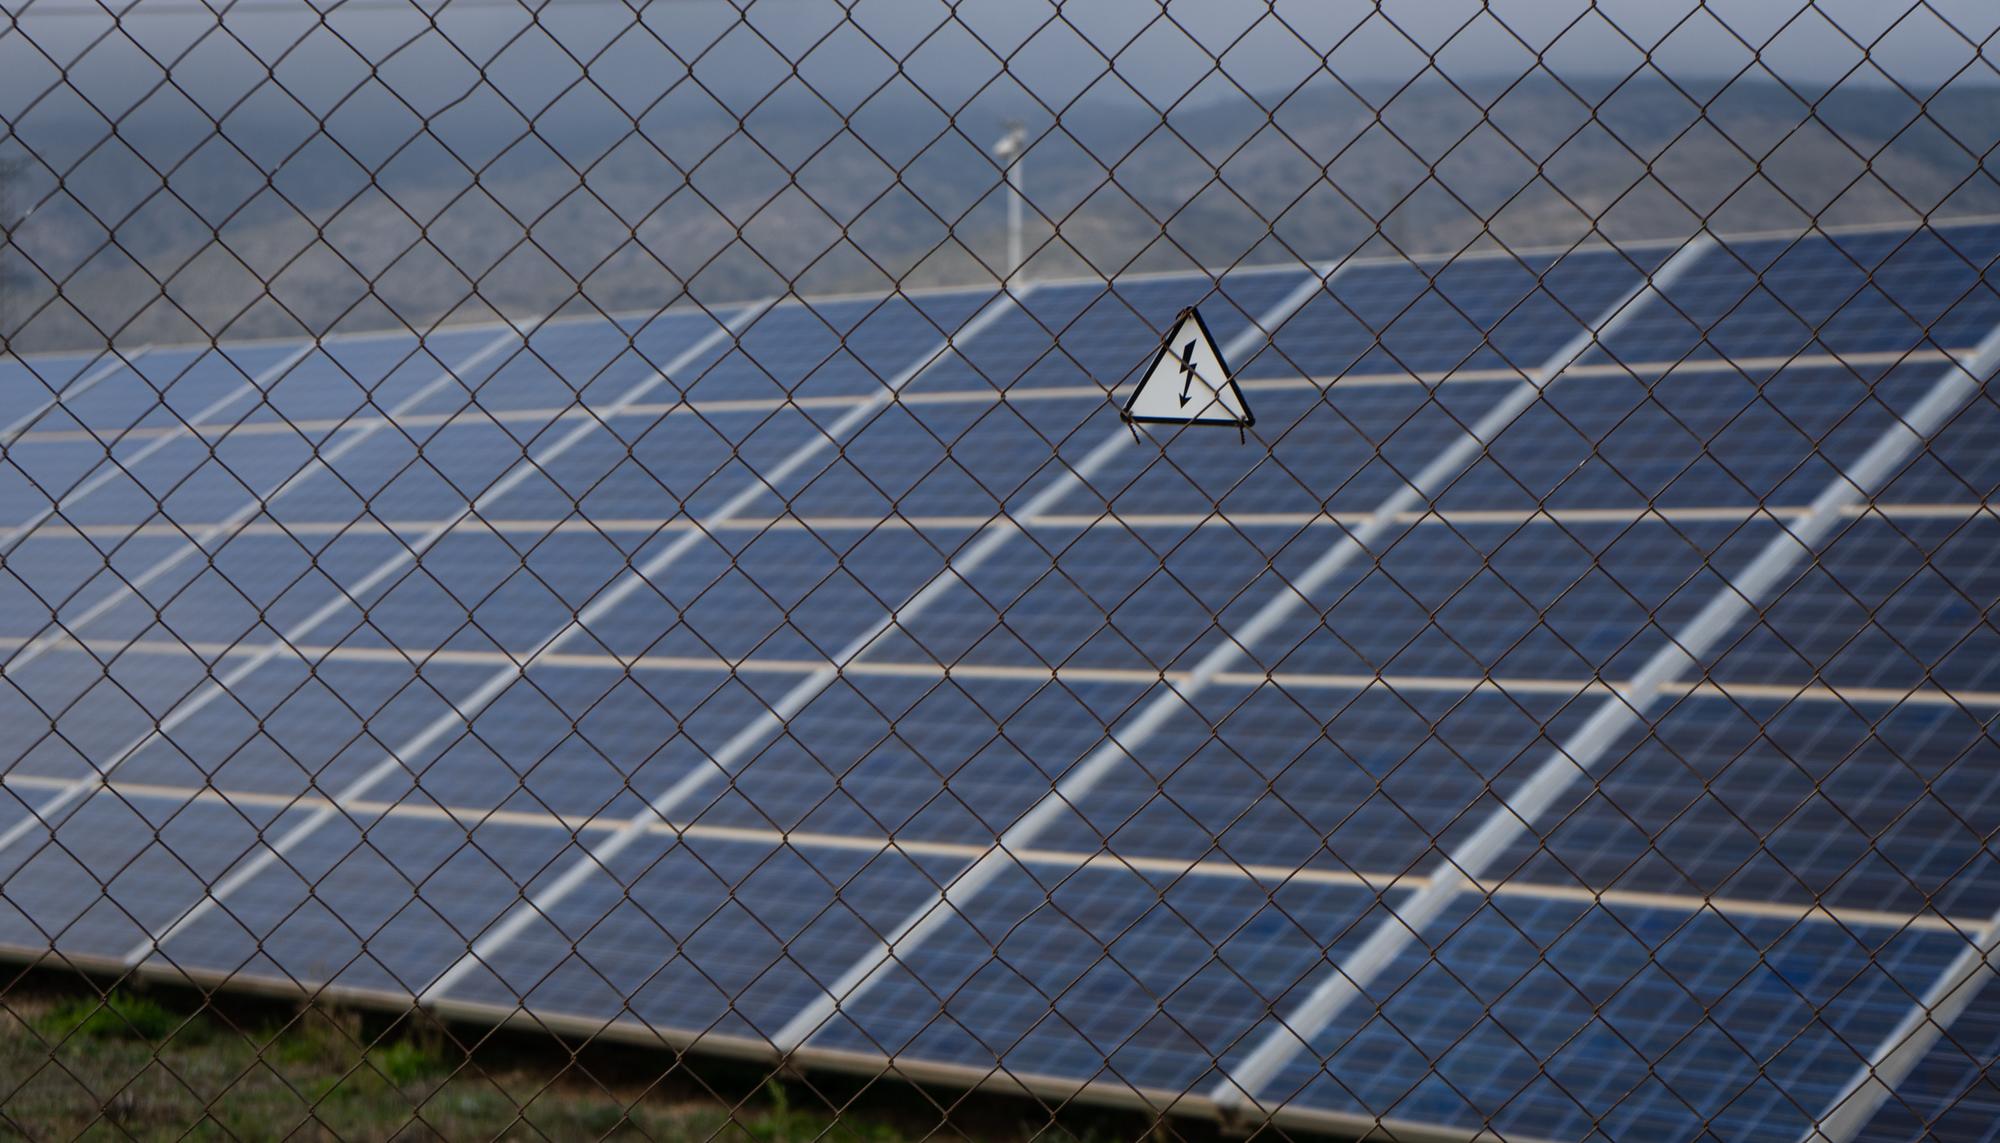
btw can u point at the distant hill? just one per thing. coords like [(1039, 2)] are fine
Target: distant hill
[(380, 230)]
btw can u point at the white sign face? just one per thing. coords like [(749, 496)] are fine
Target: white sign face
[(1189, 383)]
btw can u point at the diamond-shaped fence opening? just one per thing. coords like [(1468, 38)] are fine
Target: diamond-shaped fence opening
[(679, 569)]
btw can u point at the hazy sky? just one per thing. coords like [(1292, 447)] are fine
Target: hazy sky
[(1262, 47), (980, 60)]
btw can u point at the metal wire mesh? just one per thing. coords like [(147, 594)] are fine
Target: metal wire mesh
[(575, 569)]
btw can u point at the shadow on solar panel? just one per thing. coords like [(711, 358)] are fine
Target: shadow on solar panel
[(880, 569)]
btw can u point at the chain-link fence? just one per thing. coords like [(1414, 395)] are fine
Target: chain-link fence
[(669, 569)]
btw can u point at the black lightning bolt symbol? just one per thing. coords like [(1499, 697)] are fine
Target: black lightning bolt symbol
[(1187, 372)]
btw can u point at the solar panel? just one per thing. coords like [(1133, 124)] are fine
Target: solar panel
[(1569, 718)]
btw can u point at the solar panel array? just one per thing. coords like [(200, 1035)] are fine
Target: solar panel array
[(1569, 715)]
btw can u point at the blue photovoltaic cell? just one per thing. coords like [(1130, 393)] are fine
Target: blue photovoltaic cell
[(118, 866), (298, 734), (1100, 973), (1346, 449), (1868, 807), (283, 730), (1688, 439), (179, 479), (1542, 602), (883, 339), (370, 902), (232, 583), (1892, 292), (522, 753), (222, 591), (394, 478), (1069, 334), (774, 353), (1487, 313), (1084, 339), (471, 592), (370, 376), (68, 707), (40, 470), (1953, 1093), (1960, 465), (1099, 596), (575, 740), (103, 397), (852, 348), (223, 383), (31, 382), (706, 936), (915, 758), (63, 572), (1382, 722), (1572, 1020), (1438, 599), (574, 363), (162, 387), (566, 359), (1896, 603), (20, 498), (784, 594), (683, 462), (937, 460), (631, 738), (1341, 449), (1327, 448), (1360, 780), (182, 480), (286, 732)]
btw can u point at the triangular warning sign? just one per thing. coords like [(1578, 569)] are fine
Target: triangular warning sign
[(1189, 383)]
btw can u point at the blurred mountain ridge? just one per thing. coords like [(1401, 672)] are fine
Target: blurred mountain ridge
[(286, 224)]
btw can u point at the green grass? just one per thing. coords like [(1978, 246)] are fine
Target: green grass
[(163, 1065), (120, 1015), (127, 1066)]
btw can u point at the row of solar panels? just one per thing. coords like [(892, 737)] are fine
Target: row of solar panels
[(1868, 292), (1839, 757)]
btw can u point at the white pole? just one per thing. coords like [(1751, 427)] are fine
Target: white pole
[(1011, 149), (1014, 219), (10, 175)]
